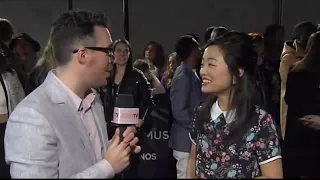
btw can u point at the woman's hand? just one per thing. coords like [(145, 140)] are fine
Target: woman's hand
[(139, 123), (311, 121)]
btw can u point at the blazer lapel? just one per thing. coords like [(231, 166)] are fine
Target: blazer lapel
[(68, 112), (81, 130), (100, 123)]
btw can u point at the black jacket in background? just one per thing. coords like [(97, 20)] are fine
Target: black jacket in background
[(302, 144), (135, 83)]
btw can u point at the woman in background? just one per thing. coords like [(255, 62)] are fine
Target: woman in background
[(125, 79), (302, 145), (144, 67), (232, 136), (173, 62), (41, 69), (154, 53)]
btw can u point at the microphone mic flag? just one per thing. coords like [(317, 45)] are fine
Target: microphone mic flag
[(125, 114)]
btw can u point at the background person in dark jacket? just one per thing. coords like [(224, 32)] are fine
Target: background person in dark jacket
[(11, 89), (301, 145), (127, 80)]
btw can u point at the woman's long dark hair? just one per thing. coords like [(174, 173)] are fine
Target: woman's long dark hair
[(129, 65), (160, 59), (238, 54), (311, 61)]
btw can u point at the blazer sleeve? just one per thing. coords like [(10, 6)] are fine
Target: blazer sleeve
[(31, 148), (179, 96)]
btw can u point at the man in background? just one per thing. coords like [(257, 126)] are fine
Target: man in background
[(185, 96), (25, 48)]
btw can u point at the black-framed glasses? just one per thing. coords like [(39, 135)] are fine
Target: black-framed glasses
[(108, 51)]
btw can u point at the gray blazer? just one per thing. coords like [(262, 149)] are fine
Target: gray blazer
[(185, 96), (45, 137)]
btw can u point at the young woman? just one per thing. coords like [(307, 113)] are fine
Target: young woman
[(232, 136), (127, 80), (154, 53), (301, 150), (173, 62)]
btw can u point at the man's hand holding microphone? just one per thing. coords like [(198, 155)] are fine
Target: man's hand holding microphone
[(118, 153), (125, 118)]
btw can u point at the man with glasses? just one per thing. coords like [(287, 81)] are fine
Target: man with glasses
[(59, 131)]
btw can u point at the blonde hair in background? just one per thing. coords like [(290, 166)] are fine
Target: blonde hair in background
[(45, 63), (169, 73)]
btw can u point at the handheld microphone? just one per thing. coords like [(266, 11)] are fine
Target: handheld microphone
[(125, 114)]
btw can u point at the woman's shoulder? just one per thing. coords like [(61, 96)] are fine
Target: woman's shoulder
[(136, 72), (301, 75), (299, 68), (138, 75)]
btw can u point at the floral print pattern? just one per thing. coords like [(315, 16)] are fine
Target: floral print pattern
[(214, 159)]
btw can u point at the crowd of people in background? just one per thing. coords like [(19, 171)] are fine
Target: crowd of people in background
[(242, 105)]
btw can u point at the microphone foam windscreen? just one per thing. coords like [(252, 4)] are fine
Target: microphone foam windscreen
[(124, 101)]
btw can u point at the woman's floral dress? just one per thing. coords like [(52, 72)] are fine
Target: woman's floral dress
[(215, 159)]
